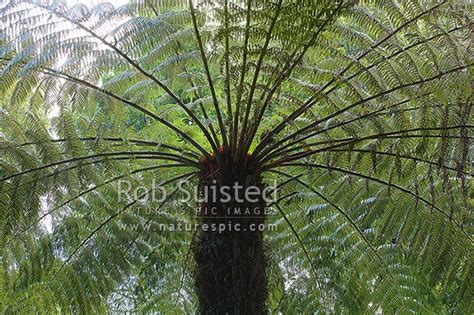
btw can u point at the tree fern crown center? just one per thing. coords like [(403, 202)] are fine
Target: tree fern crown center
[(236, 156)]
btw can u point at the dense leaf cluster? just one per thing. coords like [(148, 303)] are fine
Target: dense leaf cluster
[(360, 110)]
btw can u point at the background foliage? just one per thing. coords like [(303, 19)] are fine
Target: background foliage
[(362, 111)]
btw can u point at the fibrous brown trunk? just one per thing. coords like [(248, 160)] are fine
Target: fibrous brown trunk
[(230, 257)]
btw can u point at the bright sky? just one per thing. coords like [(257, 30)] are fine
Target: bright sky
[(91, 3), (47, 221)]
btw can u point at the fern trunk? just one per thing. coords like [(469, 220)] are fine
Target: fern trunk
[(230, 258)]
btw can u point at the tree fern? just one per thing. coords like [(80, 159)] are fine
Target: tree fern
[(359, 111)]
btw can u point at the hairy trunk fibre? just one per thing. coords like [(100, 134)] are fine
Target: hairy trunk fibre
[(230, 263)]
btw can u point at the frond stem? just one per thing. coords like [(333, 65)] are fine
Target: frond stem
[(159, 155), (360, 102), (208, 76), (350, 141), (137, 67), (85, 192), (242, 147), (312, 100), (109, 219), (385, 183)]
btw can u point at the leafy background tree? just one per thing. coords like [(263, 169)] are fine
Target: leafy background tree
[(360, 110)]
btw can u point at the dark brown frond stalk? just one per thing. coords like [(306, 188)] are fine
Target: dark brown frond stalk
[(314, 124), (242, 142), (107, 221), (158, 155), (208, 75), (313, 100), (352, 140), (286, 73), (243, 71), (385, 183), (138, 68), (118, 140), (85, 192)]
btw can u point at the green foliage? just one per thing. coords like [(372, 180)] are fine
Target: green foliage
[(361, 110)]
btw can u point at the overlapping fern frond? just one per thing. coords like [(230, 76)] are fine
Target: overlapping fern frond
[(360, 110)]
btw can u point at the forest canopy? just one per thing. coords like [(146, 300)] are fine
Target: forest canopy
[(236, 156)]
